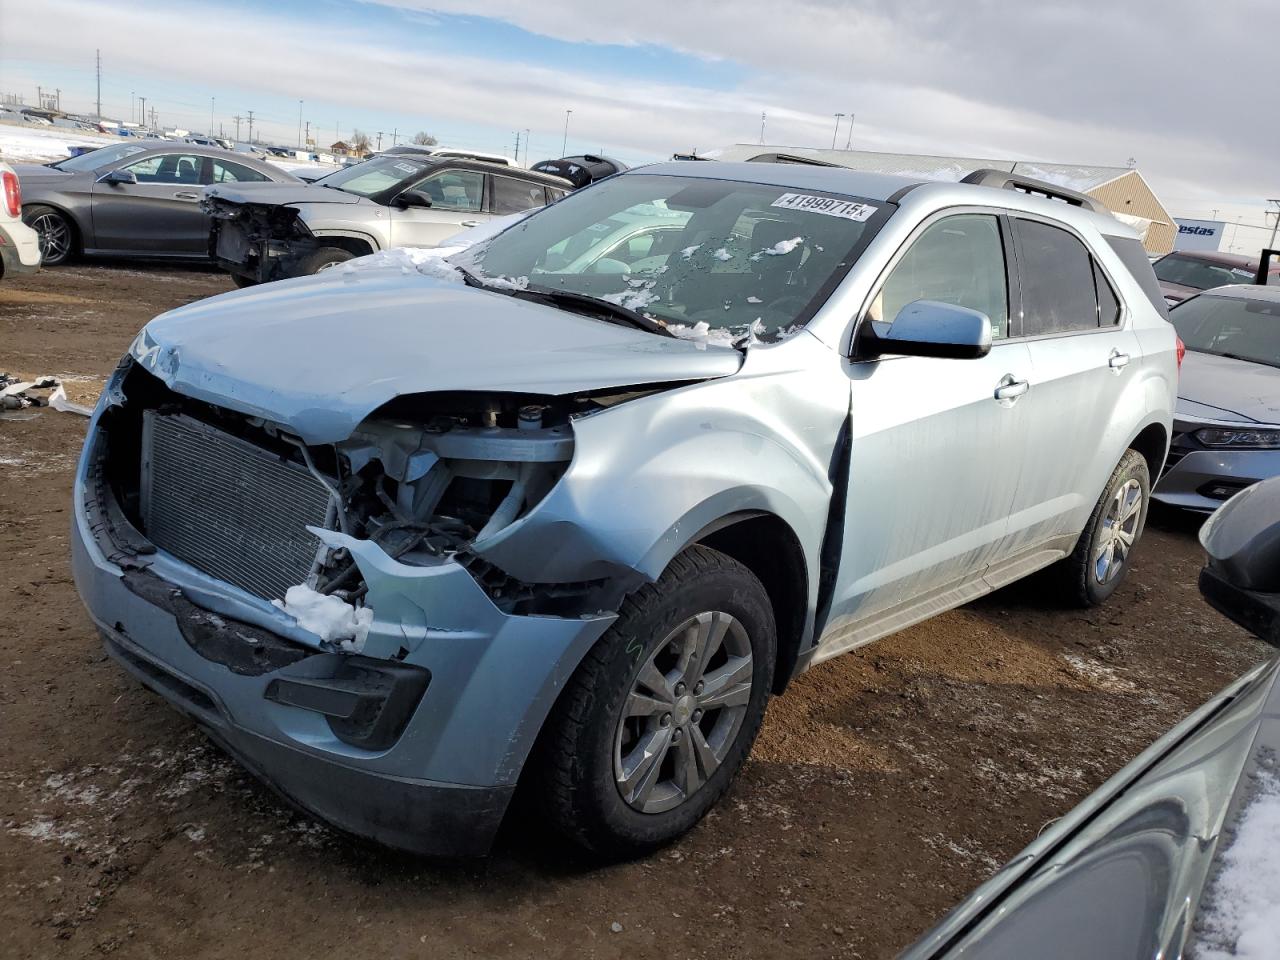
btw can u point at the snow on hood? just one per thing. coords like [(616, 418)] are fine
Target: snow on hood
[(1248, 390), (319, 354)]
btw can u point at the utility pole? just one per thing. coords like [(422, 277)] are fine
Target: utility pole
[(57, 99), (1274, 213), (213, 102), (517, 146), (250, 112), (306, 136), (835, 133), (133, 107), (299, 124), (153, 119), (237, 118), (763, 117), (142, 116), (565, 145), (526, 148), (849, 143), (99, 53), (394, 140), (379, 147)]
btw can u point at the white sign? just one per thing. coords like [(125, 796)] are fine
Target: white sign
[(829, 206), (1198, 234)]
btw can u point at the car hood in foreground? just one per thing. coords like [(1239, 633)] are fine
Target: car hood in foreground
[(1122, 874), (319, 354), (279, 194), (1248, 390)]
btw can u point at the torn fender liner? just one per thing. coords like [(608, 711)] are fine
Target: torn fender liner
[(385, 334)]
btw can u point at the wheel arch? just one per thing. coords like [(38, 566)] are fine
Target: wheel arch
[(78, 229), (357, 244), (1152, 441)]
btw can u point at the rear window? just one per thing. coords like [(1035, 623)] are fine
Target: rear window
[(1134, 256), (1199, 274)]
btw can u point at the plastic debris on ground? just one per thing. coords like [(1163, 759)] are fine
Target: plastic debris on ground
[(18, 394), (329, 618)]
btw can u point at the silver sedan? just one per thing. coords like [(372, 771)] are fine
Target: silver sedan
[(1227, 425), (132, 199)]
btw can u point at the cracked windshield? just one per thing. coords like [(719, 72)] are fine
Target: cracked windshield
[(703, 257)]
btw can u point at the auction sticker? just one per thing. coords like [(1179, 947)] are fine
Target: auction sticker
[(848, 209)]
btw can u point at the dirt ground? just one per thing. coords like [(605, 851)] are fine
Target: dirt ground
[(885, 786)]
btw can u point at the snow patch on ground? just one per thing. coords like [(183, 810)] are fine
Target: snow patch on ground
[(1098, 674), (28, 144), (1240, 912), (331, 619)]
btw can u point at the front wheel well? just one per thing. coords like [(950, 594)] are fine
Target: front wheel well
[(768, 547), (1153, 443), (77, 233), (353, 245)]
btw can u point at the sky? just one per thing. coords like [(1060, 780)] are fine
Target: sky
[(1181, 86)]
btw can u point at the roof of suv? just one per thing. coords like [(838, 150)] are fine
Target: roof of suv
[(878, 186)]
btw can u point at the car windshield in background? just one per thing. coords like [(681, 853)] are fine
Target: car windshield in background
[(686, 251), (376, 176), (1231, 327), (97, 159), (1200, 274)]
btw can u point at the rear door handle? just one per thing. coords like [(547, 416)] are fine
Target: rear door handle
[(1011, 388), (1118, 360), (183, 195)]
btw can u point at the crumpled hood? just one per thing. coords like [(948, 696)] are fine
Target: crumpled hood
[(1248, 390), (319, 354), (279, 194)]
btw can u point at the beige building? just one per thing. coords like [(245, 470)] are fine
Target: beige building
[(1121, 190)]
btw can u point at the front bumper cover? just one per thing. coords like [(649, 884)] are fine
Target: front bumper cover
[(440, 782)]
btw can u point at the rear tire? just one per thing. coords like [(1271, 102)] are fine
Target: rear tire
[(322, 259), (57, 234), (707, 621), (1101, 559)]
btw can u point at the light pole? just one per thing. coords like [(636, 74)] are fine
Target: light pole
[(299, 124), (565, 145), (526, 148), (763, 117), (213, 102), (848, 145), (836, 132)]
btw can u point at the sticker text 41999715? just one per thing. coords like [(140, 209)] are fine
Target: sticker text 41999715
[(831, 207)]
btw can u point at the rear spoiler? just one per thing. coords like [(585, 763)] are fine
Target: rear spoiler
[(1264, 266), (1003, 180)]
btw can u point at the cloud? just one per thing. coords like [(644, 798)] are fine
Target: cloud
[(1082, 82)]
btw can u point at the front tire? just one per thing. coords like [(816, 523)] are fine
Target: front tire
[(323, 259), (56, 234), (1101, 558), (661, 714)]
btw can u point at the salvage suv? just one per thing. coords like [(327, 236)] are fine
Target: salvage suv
[(267, 232), (403, 538)]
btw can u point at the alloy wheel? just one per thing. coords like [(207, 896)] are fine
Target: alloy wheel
[(54, 237), (1119, 531), (683, 713)]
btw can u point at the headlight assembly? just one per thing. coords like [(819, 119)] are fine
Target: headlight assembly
[(1239, 438)]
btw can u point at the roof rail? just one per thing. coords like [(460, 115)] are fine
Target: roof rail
[(790, 158), (1003, 179)]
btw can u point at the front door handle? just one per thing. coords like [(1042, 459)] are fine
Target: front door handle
[(1118, 360), (1011, 388), (184, 195), (469, 223)]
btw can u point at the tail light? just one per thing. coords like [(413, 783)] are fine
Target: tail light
[(12, 194), (1182, 351)]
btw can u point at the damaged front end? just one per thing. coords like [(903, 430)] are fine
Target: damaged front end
[(257, 242)]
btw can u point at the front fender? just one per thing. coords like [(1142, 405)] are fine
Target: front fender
[(649, 475)]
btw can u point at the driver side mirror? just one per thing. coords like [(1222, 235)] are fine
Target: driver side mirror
[(412, 198), (118, 177), (1242, 578), (928, 328)]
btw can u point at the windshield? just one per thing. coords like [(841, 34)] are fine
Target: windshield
[(97, 159), (1230, 327), (1199, 274), (686, 251), (376, 175)]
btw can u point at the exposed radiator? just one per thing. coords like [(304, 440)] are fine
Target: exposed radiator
[(230, 509)]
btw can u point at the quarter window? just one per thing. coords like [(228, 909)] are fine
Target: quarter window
[(958, 260), (516, 196), (1057, 276), (1108, 302)]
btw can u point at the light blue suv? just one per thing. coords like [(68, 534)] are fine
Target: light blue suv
[(568, 507)]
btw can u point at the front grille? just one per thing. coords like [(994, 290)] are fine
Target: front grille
[(227, 507)]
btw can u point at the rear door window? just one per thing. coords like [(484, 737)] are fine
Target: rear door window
[(1057, 280), (515, 196), (173, 168), (957, 260), (225, 171), (461, 190)]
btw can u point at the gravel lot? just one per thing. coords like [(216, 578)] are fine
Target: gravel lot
[(886, 784)]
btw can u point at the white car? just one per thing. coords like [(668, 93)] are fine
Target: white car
[(19, 244)]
